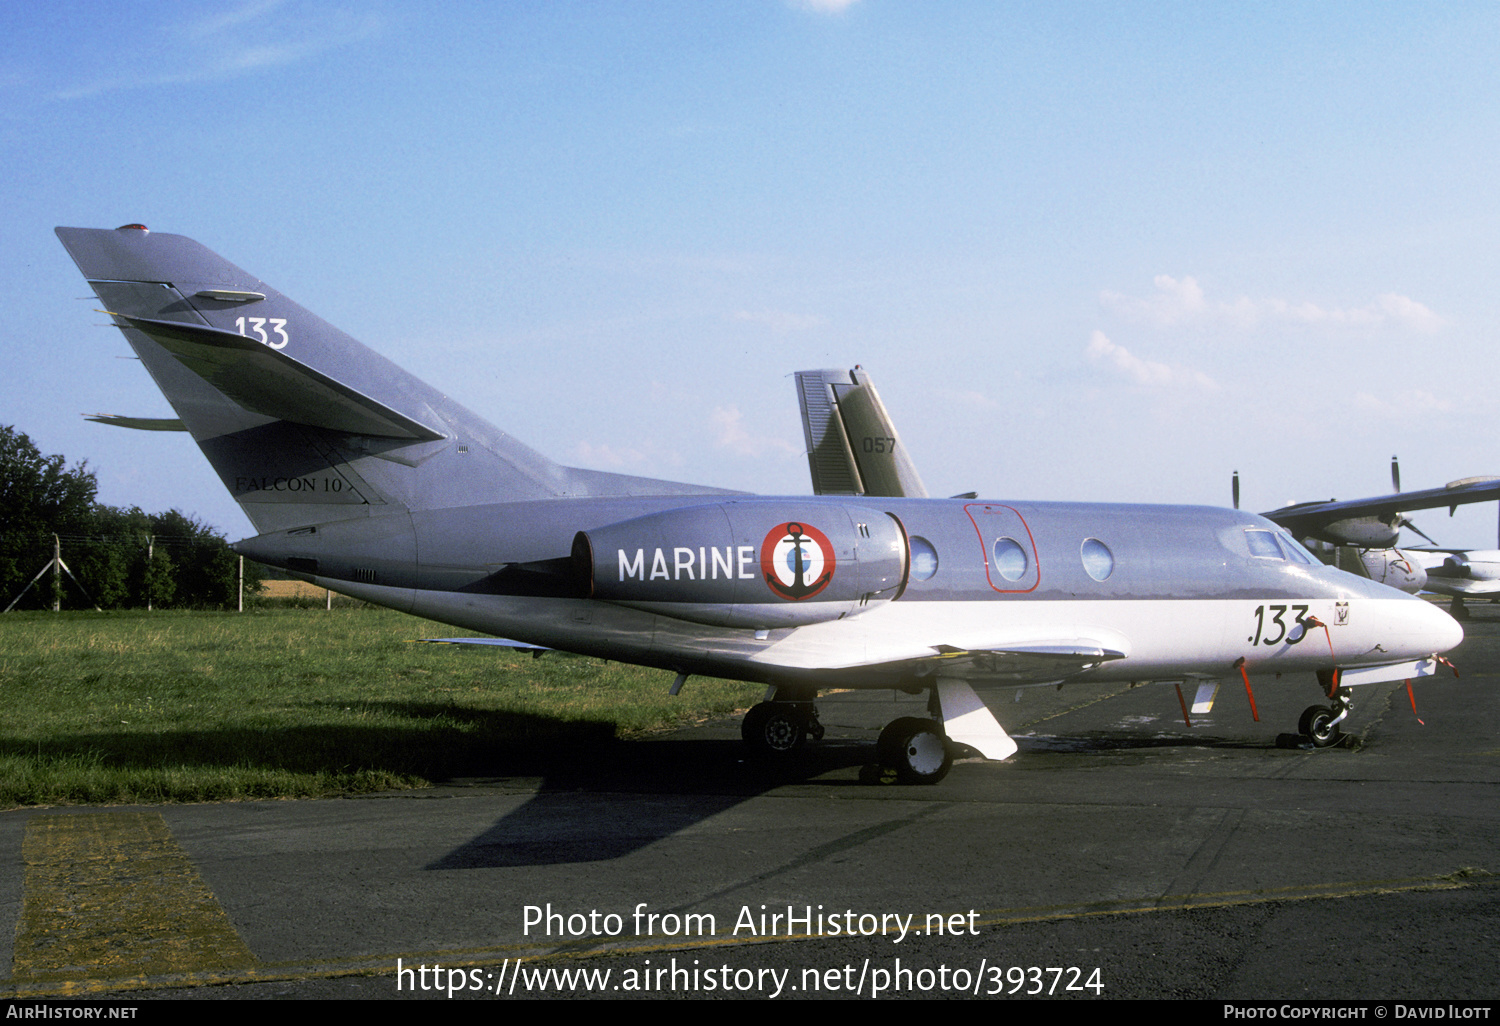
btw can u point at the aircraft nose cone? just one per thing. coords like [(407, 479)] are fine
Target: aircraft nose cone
[(1439, 631)]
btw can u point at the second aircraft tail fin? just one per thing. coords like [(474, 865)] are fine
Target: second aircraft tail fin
[(852, 446)]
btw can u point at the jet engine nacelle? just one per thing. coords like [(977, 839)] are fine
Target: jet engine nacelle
[(754, 563), (1395, 568)]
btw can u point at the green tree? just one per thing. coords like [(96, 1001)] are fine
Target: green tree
[(160, 583), (39, 496), (207, 570), (105, 547)]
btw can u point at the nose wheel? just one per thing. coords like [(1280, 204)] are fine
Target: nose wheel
[(1320, 723)]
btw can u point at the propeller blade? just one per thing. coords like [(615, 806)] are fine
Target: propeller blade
[(1396, 480), (1413, 527), (1234, 488)]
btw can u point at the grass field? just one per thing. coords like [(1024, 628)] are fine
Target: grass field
[(181, 706)]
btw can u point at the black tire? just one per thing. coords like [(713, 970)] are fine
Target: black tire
[(775, 729), (1317, 724), (916, 749)]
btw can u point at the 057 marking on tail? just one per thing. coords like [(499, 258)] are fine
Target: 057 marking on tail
[(406, 499)]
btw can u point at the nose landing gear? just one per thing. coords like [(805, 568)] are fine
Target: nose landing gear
[(1320, 723)]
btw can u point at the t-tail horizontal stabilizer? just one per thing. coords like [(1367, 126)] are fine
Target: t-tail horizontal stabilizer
[(138, 423), (262, 380)]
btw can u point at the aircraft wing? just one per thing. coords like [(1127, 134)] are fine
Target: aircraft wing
[(1022, 664), (852, 446), (1306, 518), (1013, 659), (519, 646)]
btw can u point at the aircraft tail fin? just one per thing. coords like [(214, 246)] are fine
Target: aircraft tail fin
[(303, 424), (852, 446)]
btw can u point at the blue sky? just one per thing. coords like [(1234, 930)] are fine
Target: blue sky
[(1100, 252)]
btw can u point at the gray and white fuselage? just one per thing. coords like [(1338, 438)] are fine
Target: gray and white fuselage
[(1185, 596)]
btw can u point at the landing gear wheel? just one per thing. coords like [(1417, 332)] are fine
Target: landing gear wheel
[(916, 749), (1317, 723), (774, 728)]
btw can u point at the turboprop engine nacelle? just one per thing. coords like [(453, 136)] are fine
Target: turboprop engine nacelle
[(1364, 532), (1395, 568), (755, 563)]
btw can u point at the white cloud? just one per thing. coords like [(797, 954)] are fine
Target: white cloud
[(1409, 312), (1182, 301), (245, 39), (731, 434), (1146, 373), (609, 456), (230, 20), (1174, 302), (824, 6)]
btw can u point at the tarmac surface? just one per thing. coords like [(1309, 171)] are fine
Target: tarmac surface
[(1119, 854)]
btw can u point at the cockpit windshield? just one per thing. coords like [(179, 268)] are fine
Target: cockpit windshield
[(1276, 545)]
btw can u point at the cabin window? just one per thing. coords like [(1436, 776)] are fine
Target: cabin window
[(924, 560), (1263, 543), (1010, 559), (1098, 561)]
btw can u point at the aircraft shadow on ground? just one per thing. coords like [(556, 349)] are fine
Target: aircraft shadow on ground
[(605, 803), (1088, 742), (598, 797)]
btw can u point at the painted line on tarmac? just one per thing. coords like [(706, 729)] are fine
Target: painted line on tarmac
[(251, 971), (1457, 880), (110, 898)]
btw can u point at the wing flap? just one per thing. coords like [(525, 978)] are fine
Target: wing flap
[(1044, 662), (1015, 659)]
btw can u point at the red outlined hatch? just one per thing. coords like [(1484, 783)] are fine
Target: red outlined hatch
[(1010, 560)]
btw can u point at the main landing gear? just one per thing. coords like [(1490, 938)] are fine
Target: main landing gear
[(780, 727), (917, 750)]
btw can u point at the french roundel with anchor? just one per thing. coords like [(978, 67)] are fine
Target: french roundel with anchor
[(797, 560)]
